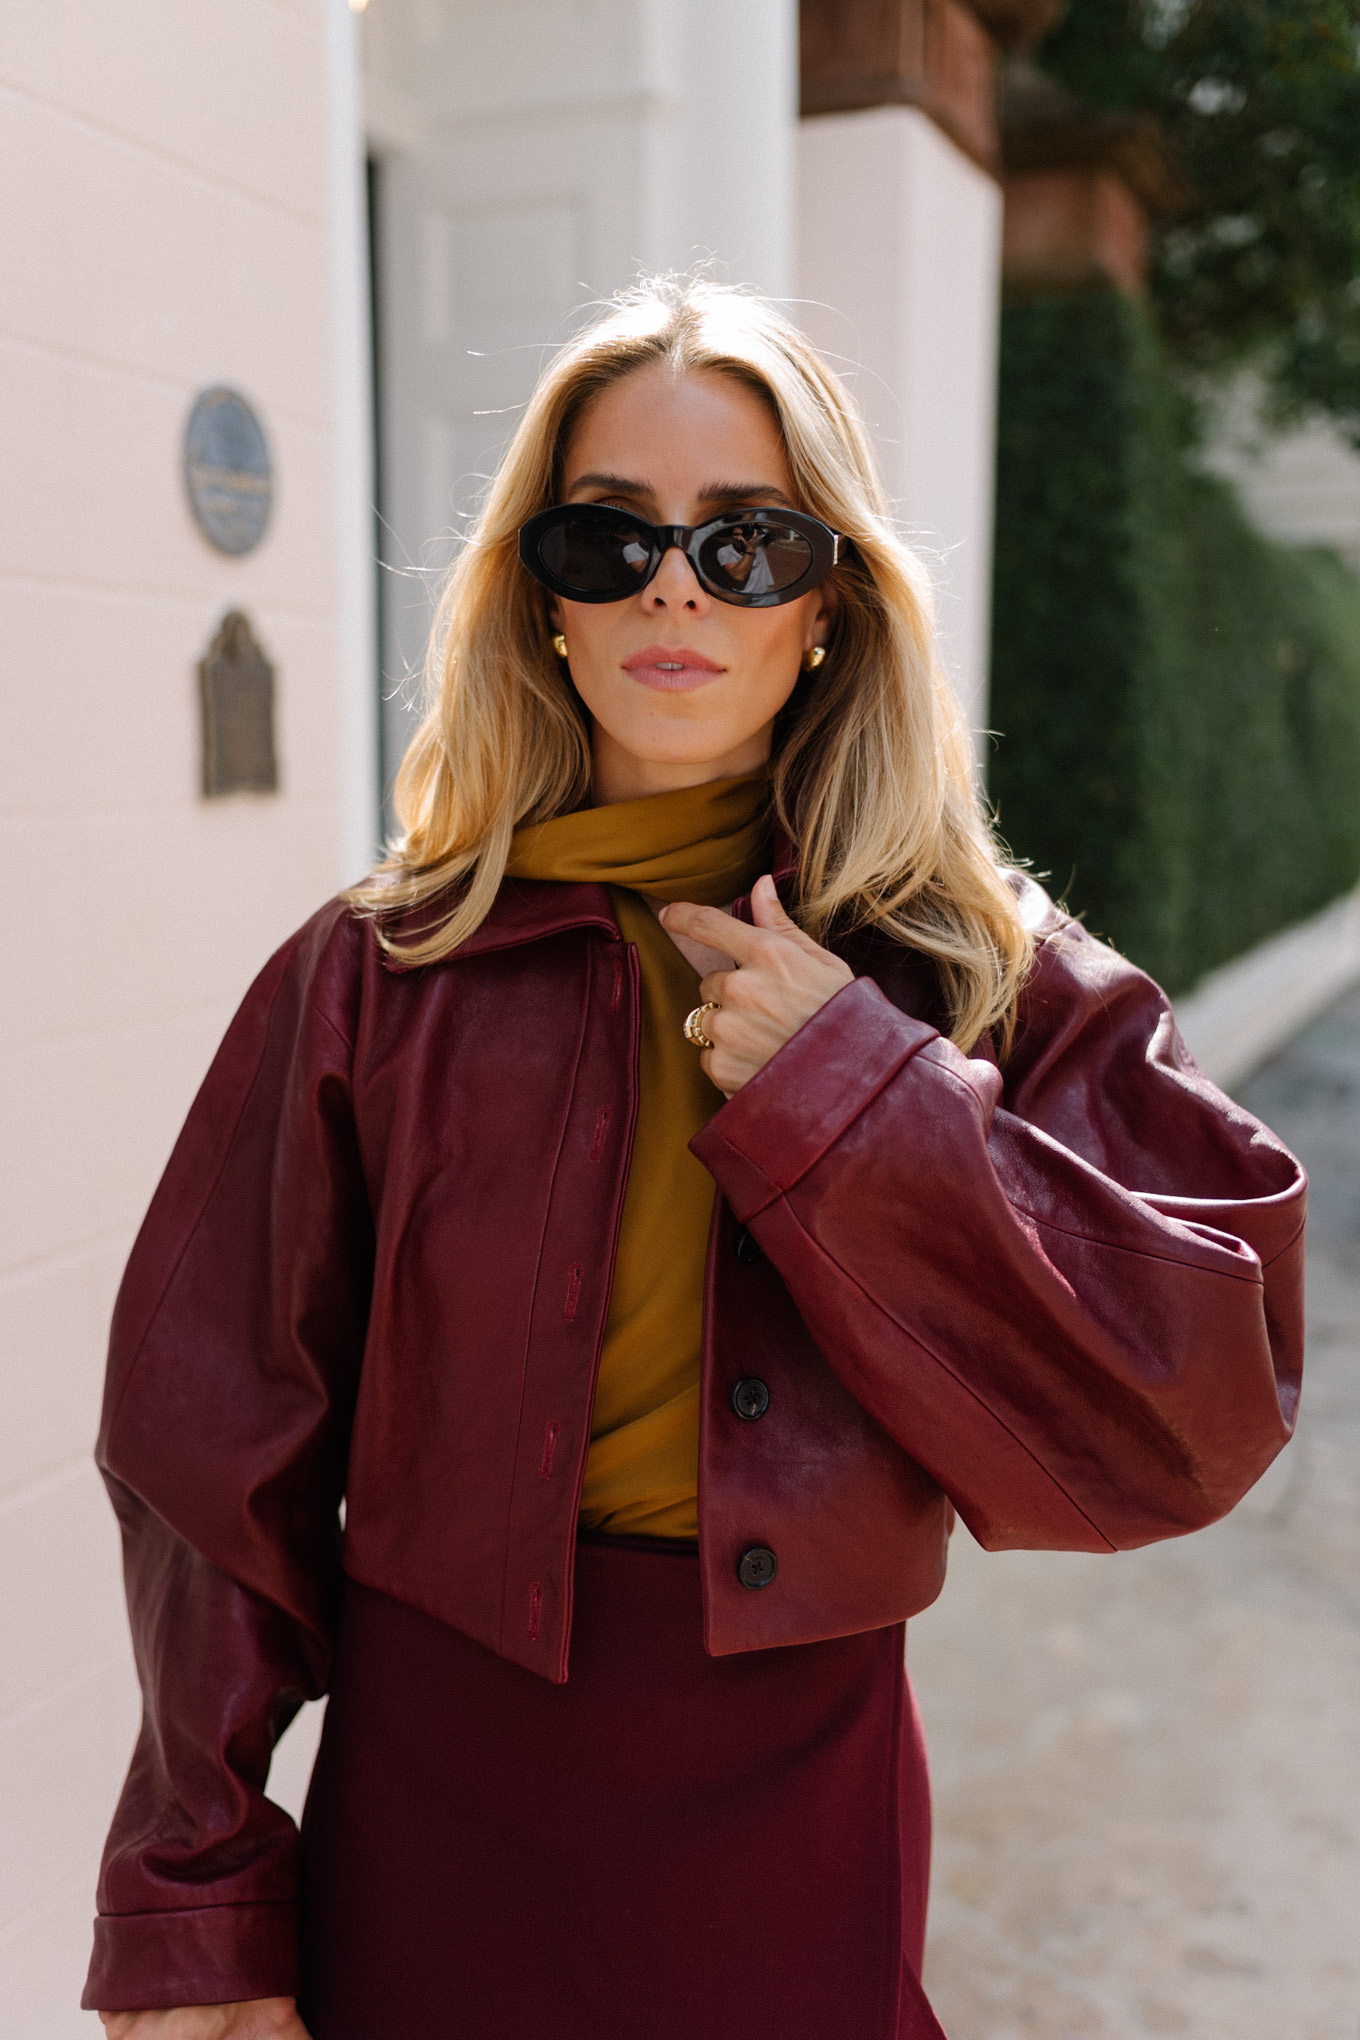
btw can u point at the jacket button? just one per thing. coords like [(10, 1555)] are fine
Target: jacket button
[(747, 1248), (750, 1398), (757, 1567)]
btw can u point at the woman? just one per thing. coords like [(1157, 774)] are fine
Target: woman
[(641, 1479)]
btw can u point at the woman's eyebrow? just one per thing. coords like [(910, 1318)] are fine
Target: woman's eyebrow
[(716, 492), (732, 492), (617, 485)]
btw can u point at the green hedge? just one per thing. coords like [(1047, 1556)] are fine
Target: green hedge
[(1177, 700)]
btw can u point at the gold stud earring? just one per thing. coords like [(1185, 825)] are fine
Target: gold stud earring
[(559, 644), (812, 658)]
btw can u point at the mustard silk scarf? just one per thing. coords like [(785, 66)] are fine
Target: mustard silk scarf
[(708, 844)]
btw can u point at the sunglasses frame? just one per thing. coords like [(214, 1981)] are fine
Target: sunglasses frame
[(826, 550)]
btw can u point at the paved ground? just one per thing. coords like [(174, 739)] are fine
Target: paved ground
[(1147, 1768)]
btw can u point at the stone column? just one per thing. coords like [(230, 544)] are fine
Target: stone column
[(899, 268)]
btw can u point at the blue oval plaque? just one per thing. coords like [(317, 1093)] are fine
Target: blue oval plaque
[(227, 472)]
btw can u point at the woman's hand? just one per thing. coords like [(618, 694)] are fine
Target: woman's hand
[(255, 2019), (782, 978)]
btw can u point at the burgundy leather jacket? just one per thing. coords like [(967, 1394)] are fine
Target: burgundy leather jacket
[(1063, 1299)]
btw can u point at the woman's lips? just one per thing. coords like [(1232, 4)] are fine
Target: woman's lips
[(671, 669)]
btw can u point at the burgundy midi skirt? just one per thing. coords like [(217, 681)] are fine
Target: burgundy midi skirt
[(668, 1846)]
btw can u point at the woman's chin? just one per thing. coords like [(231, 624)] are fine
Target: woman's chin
[(690, 750)]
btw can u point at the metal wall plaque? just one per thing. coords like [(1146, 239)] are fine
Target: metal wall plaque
[(236, 689), (227, 472)]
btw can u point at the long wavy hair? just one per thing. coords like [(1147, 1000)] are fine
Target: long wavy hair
[(872, 772)]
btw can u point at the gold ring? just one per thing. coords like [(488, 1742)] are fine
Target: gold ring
[(694, 1026)]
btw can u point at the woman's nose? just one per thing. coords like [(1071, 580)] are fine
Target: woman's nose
[(675, 585)]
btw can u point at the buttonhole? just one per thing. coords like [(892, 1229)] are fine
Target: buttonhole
[(550, 1437), (573, 1291), (535, 1609), (601, 1129), (617, 994)]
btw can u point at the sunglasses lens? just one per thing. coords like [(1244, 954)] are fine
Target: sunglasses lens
[(597, 557), (756, 559)]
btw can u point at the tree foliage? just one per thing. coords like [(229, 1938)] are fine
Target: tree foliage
[(1178, 698), (1260, 102)]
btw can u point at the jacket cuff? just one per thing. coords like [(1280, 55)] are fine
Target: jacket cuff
[(763, 1140), (203, 1955)]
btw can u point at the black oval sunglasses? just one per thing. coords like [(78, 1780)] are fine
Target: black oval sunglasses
[(754, 558)]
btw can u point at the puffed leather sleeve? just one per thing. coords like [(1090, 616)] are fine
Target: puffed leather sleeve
[(234, 1357), (1073, 1293)]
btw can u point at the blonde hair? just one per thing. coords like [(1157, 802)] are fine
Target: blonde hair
[(872, 774)]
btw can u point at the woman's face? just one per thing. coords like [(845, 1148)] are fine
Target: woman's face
[(681, 687)]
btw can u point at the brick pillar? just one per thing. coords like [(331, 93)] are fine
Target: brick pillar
[(899, 267), (1081, 189)]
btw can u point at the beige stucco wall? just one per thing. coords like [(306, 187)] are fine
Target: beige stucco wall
[(169, 179)]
